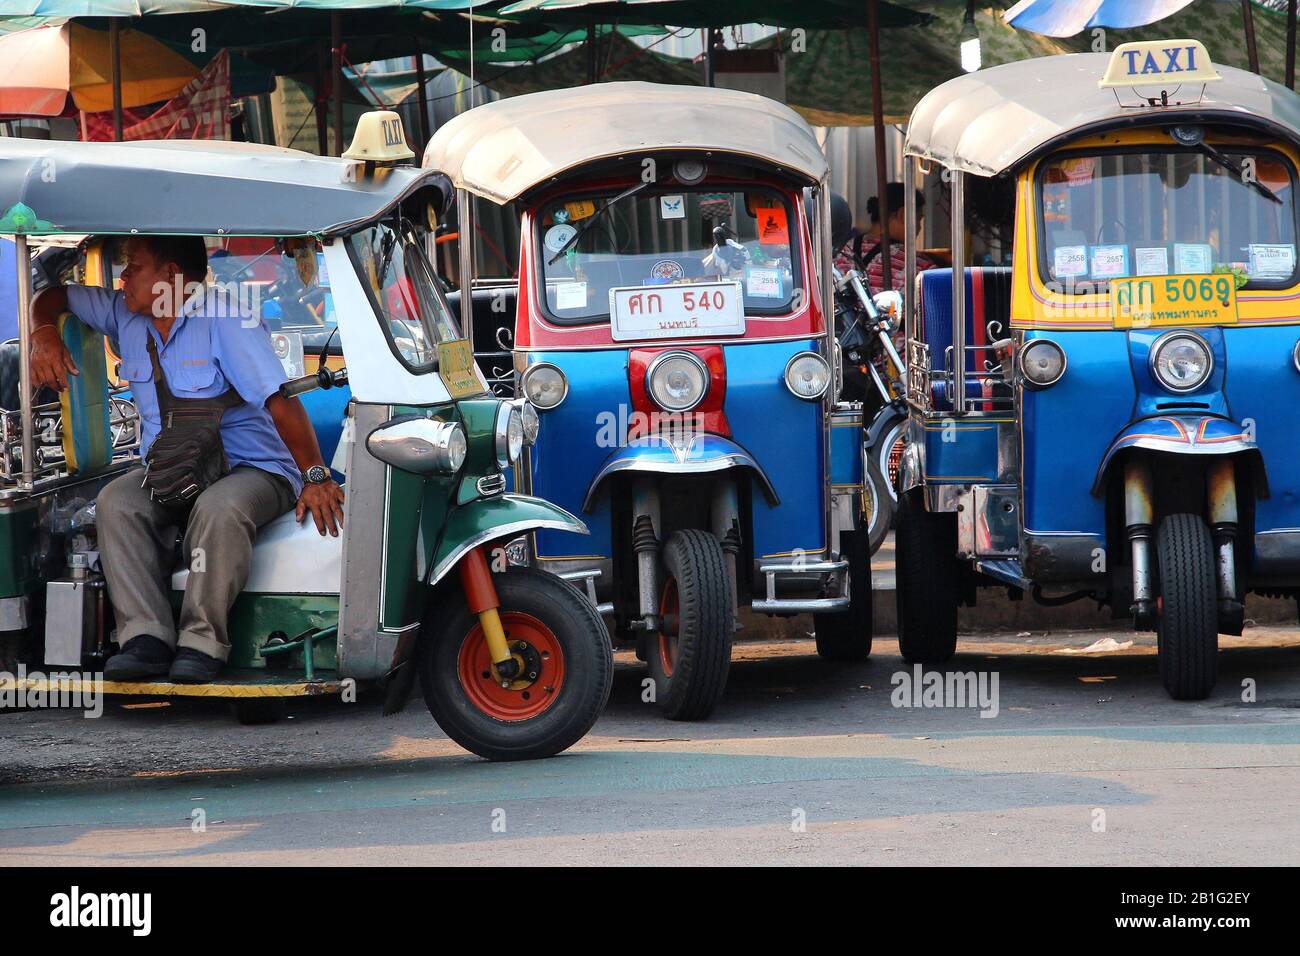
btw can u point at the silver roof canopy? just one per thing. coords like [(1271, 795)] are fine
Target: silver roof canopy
[(503, 149), (991, 120), (193, 188)]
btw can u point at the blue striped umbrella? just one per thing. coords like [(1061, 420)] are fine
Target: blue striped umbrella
[(1065, 18)]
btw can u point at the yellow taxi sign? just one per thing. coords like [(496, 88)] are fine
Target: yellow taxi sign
[(1159, 63), (379, 139)]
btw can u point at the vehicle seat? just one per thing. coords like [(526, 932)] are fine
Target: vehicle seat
[(288, 558), (988, 318), (84, 404)]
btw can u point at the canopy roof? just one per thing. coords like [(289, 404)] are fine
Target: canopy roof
[(989, 121), (503, 149), (191, 187)]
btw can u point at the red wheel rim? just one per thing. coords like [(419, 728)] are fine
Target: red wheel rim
[(537, 649), (669, 615)]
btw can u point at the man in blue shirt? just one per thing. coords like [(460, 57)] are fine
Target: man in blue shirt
[(205, 344)]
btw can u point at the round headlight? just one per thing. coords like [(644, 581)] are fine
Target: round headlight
[(808, 376), (677, 381), (545, 385), (1295, 356), (1042, 363), (509, 435), (457, 448), (532, 422), (1181, 361)]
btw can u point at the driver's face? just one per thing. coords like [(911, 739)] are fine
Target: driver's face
[(147, 286)]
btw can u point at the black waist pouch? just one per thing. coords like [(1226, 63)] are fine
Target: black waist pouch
[(187, 456)]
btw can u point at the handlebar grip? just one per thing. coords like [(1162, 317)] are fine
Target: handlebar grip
[(298, 386)]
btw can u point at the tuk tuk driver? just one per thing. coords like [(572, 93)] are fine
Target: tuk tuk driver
[(206, 345)]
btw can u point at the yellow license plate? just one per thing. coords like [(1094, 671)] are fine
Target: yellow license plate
[(456, 369), (1153, 302)]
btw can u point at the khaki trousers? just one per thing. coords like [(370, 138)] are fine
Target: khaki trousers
[(136, 543)]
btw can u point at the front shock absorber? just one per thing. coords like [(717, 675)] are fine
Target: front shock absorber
[(1221, 488), (1138, 526), (481, 595)]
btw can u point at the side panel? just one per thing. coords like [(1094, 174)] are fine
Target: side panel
[(575, 439), (787, 439)]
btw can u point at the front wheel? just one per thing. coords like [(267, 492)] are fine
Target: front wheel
[(878, 505), (690, 658), (566, 668), (1188, 629), (925, 549)]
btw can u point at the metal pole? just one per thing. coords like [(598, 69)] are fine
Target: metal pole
[(424, 94), (1290, 43), (958, 291), (465, 242), (115, 69), (878, 125), (1248, 20), (909, 243), (710, 68), (590, 49), (23, 260), (319, 104), (336, 48)]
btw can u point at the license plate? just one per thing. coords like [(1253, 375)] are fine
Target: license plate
[(456, 368), (676, 311), (1152, 302)]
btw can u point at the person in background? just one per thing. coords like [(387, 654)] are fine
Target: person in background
[(863, 252)]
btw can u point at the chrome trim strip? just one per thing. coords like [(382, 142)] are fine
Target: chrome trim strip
[(699, 467), (800, 606)]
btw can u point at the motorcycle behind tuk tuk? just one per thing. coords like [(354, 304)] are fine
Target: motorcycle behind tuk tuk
[(669, 322), (512, 661), (1111, 415)]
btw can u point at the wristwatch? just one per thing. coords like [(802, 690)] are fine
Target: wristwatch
[(316, 474)]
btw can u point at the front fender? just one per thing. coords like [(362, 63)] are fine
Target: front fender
[(488, 519), (698, 454), (1180, 435)]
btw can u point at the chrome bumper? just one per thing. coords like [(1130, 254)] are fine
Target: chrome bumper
[(819, 576)]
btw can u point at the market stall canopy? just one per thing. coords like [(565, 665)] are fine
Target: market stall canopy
[(42, 67), (188, 187), (989, 121), (1065, 18), (503, 149), (712, 13)]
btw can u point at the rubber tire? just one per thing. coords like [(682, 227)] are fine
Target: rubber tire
[(1187, 631), (588, 668), (847, 636), (705, 631), (881, 518), (252, 711), (927, 576)]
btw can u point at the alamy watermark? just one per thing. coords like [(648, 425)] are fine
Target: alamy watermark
[(36, 690), (921, 688)]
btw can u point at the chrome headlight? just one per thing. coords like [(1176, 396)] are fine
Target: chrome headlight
[(420, 445), (509, 435), (544, 385), (677, 381), (1042, 363), (532, 422), (1181, 361), (1295, 356), (807, 375)]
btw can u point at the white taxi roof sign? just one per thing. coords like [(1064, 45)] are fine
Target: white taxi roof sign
[(379, 138), (1159, 62)]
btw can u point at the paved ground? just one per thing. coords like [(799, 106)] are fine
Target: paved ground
[(1086, 762)]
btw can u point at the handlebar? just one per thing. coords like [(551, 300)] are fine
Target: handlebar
[(324, 378)]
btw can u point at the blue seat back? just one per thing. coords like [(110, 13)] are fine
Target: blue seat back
[(988, 318)]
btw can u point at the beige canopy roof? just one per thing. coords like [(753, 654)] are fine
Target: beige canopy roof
[(501, 150), (990, 120)]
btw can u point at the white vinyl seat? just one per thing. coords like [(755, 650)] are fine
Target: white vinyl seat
[(290, 558)]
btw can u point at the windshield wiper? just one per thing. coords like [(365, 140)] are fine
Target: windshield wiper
[(1207, 150), (582, 230)]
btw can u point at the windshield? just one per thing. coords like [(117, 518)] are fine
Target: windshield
[(1166, 212), (652, 237), (402, 287)]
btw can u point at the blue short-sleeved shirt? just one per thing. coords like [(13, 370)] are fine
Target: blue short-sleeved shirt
[(214, 344)]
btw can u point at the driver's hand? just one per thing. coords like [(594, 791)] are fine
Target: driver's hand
[(325, 502), (51, 361)]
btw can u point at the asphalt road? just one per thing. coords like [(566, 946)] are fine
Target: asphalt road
[(1086, 762)]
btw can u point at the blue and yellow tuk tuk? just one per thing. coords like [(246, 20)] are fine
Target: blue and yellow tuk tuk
[(669, 323), (1111, 414)]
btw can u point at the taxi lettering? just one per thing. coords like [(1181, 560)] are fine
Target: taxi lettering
[(1150, 65)]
